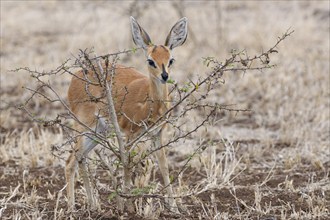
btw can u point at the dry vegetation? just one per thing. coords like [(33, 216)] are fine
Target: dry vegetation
[(268, 163)]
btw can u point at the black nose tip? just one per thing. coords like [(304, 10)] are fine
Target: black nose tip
[(164, 76)]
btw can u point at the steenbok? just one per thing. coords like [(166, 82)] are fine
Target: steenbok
[(139, 100)]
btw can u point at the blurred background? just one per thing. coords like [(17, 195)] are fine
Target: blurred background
[(294, 96)]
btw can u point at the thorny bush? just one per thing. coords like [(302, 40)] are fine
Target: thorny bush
[(191, 96)]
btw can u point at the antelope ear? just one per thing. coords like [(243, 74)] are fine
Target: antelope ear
[(178, 34), (140, 36)]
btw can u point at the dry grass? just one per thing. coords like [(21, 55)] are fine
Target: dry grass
[(270, 163)]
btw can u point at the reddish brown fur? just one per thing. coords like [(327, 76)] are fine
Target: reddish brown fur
[(135, 96), (160, 54)]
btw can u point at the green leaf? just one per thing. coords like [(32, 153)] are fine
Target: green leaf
[(134, 49), (171, 178), (171, 81), (112, 196), (133, 153), (139, 191)]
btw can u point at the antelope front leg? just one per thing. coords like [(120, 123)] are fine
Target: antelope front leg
[(163, 166)]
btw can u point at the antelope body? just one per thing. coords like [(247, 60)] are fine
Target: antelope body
[(138, 100)]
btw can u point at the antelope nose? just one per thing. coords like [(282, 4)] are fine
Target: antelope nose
[(164, 76)]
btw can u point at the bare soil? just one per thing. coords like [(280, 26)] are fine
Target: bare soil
[(235, 201)]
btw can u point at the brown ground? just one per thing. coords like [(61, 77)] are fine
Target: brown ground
[(280, 193)]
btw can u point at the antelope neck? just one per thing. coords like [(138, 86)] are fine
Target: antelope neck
[(158, 90)]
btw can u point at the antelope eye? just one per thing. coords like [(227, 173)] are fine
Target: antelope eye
[(151, 63), (171, 62)]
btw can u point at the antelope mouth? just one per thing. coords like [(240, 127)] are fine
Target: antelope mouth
[(163, 81)]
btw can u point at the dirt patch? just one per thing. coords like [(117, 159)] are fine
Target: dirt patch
[(43, 185)]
